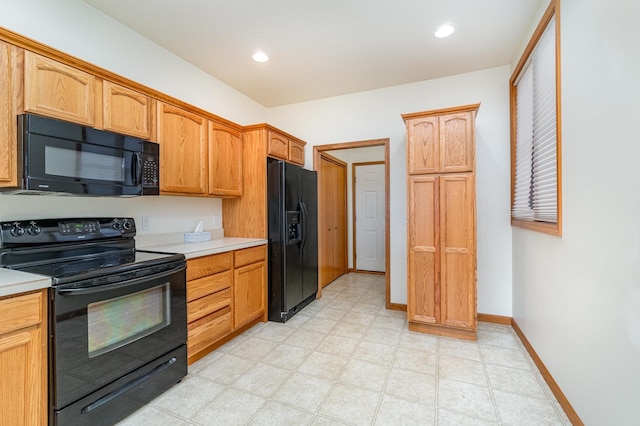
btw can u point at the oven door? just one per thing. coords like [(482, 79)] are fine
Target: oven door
[(101, 333)]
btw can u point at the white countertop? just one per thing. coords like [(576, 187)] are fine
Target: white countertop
[(191, 250), (14, 282)]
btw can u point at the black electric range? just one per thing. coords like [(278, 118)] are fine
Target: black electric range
[(117, 315)]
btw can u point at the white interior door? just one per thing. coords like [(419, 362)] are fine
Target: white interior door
[(369, 218)]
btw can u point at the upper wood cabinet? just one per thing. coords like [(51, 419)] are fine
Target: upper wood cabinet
[(182, 136), (57, 90), (225, 160), (247, 216), (8, 147), (296, 152), (440, 143), (278, 145), (285, 148), (126, 111)]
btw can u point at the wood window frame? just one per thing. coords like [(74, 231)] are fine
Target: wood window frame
[(553, 10)]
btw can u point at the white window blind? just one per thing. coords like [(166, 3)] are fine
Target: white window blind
[(535, 195)]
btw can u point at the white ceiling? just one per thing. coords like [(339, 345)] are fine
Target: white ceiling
[(324, 48)]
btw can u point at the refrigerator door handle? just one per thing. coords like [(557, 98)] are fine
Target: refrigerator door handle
[(303, 219)]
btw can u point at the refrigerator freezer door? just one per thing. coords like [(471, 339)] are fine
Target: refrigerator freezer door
[(309, 181)]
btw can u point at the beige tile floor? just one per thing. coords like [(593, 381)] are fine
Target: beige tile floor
[(345, 359)]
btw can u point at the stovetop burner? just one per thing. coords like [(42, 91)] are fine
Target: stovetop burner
[(70, 250)]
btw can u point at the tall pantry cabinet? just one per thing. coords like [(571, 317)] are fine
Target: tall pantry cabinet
[(441, 287)]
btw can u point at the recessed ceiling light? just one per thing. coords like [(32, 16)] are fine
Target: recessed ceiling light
[(444, 31), (260, 57)]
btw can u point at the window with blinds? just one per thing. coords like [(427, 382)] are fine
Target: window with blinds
[(535, 132)]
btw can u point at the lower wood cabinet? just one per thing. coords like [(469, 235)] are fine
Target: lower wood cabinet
[(23, 359), (225, 292), (250, 285)]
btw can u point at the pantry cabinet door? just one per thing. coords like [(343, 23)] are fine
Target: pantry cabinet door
[(458, 247), (457, 142), (423, 240), (423, 145)]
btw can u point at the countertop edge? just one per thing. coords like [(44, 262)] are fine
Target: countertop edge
[(215, 246), (13, 283)]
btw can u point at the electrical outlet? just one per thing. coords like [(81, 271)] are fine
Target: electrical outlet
[(146, 223), (216, 220)]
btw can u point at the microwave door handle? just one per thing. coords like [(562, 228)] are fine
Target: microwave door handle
[(136, 168)]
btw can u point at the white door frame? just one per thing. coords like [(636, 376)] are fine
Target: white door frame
[(317, 149)]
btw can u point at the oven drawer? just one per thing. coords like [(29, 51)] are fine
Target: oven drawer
[(207, 285), (20, 311), (208, 265), (208, 304), (207, 330), (250, 255)]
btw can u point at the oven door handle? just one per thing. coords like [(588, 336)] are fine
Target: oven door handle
[(82, 290)]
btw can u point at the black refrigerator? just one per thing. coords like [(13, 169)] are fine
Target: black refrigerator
[(292, 210)]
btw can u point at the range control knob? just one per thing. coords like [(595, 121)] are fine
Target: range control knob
[(17, 230), (116, 224), (33, 228), (126, 224)]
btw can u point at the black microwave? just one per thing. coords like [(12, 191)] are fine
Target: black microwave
[(61, 157)]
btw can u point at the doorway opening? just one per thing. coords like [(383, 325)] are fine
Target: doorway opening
[(318, 152)]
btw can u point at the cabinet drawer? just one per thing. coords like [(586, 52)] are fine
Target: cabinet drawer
[(250, 255), (207, 285), (20, 311), (208, 265), (208, 304), (207, 330)]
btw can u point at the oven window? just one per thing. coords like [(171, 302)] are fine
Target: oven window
[(83, 164), (116, 322)]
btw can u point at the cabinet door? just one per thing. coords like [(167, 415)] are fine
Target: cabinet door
[(126, 111), (457, 142), (423, 298), (458, 246), (249, 287), (225, 161), (277, 145), (23, 360), (8, 144), (423, 148), (296, 152), (183, 151), (57, 90)]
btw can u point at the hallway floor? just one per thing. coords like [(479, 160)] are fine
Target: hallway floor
[(344, 359)]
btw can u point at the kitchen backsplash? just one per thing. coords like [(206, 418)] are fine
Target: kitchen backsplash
[(162, 214)]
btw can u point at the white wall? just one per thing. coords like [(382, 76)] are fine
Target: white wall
[(76, 28), (577, 298), (350, 156), (376, 114)]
